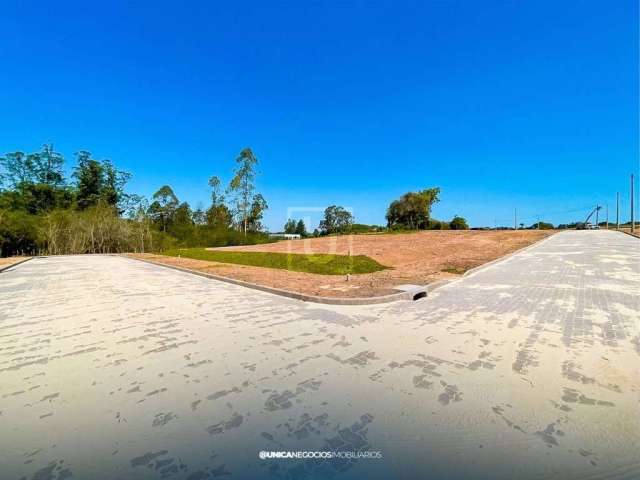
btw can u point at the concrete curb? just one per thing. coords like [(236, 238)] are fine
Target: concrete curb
[(7, 267), (440, 283), (393, 297)]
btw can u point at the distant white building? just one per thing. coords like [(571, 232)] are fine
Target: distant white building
[(286, 236)]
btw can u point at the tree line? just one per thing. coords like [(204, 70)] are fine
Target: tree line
[(412, 211), (43, 212), (243, 213), (336, 220)]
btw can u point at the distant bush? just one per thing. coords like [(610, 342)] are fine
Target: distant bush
[(206, 236), (434, 225), (458, 223), (543, 226), (363, 228), (437, 225), (19, 233), (576, 225)]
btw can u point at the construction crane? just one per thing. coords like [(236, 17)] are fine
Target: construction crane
[(595, 210)]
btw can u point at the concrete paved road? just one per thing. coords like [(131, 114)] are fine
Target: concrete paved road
[(111, 368)]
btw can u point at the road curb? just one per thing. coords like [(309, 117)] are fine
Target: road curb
[(440, 283), (393, 297), (2, 269)]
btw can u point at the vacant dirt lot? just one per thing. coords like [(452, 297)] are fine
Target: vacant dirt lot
[(8, 261), (417, 258)]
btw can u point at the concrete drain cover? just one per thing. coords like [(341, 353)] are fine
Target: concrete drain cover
[(416, 291)]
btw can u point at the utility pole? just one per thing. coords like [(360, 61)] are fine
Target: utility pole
[(633, 227), (618, 210), (597, 212), (515, 219), (607, 215), (538, 222)]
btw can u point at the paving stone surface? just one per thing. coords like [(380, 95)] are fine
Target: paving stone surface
[(530, 368)]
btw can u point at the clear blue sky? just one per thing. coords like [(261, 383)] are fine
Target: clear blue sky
[(531, 105)]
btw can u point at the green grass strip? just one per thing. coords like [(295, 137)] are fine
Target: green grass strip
[(318, 263)]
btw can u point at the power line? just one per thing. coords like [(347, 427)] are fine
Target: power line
[(536, 216)]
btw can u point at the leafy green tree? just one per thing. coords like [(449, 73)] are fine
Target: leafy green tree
[(99, 181), (434, 224), (88, 174), (218, 215), (183, 215), (458, 223), (11, 200), (242, 185), (34, 181), (301, 229), (182, 226), (413, 209), (133, 205), (113, 183), (216, 191), (290, 226), (19, 233), (256, 212), (17, 169), (199, 217), (336, 220), (47, 166), (163, 207), (41, 198)]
